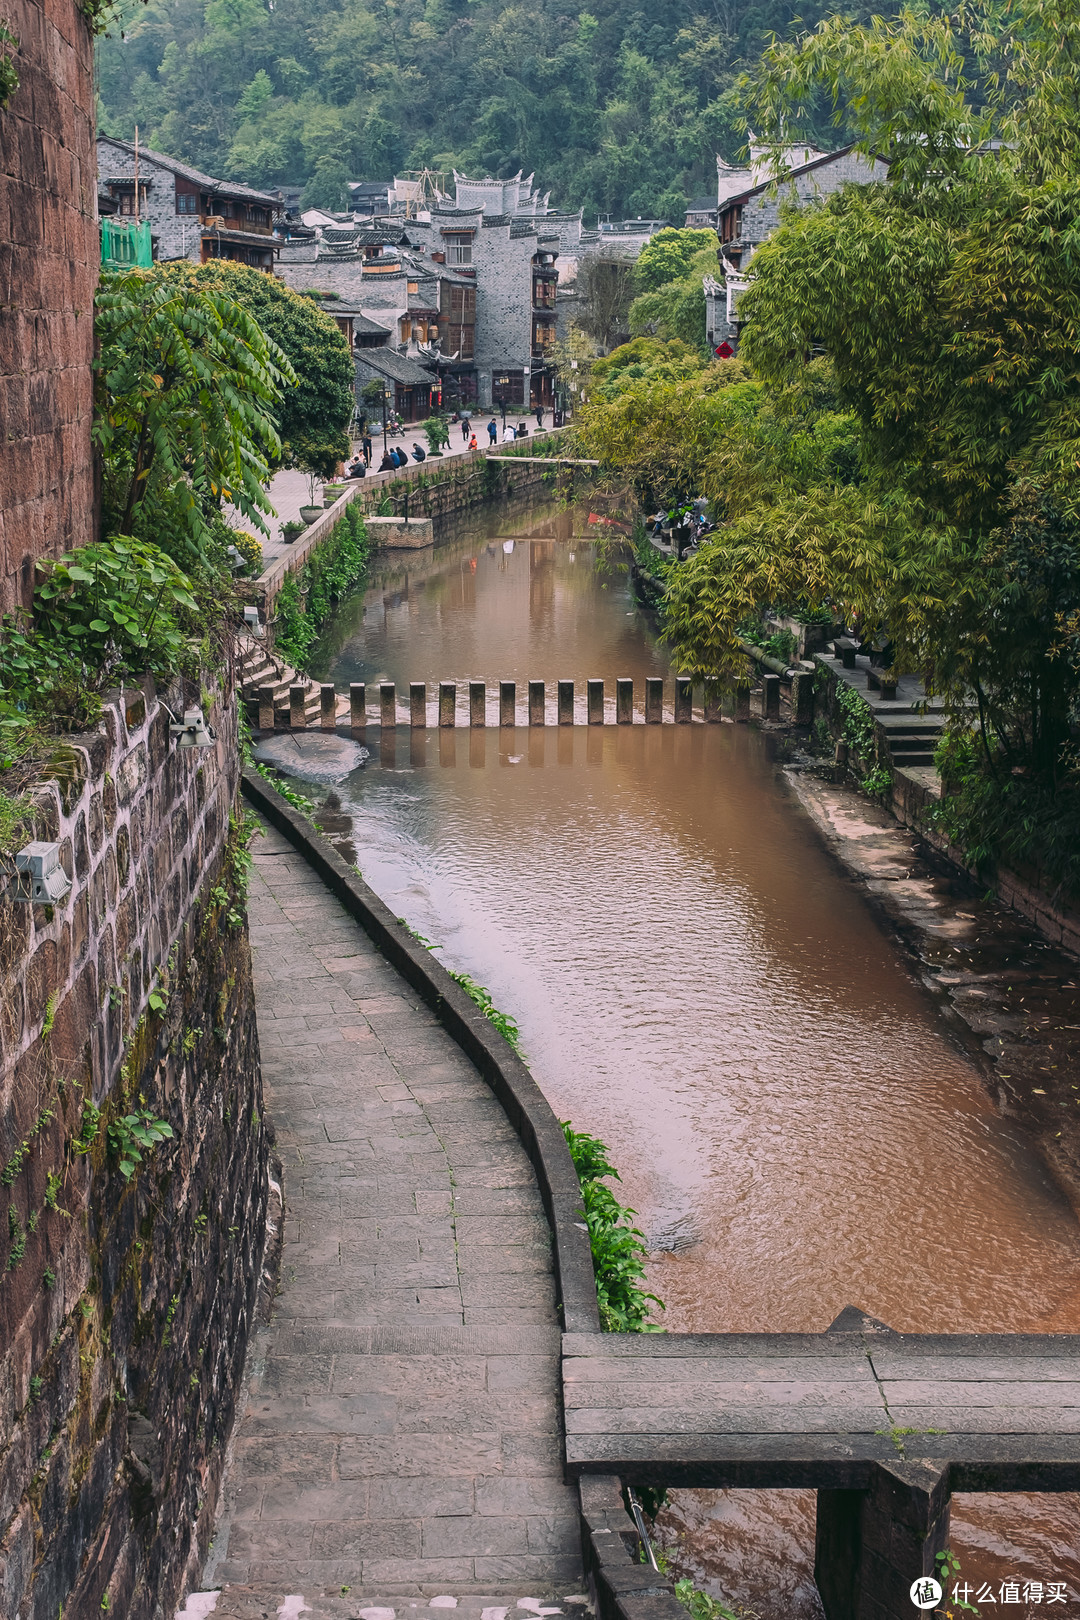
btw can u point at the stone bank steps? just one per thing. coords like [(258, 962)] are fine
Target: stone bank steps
[(259, 669), (276, 1602)]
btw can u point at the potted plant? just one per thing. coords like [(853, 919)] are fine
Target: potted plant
[(320, 460), (332, 493), (290, 530)]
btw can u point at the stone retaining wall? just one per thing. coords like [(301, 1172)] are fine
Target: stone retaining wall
[(48, 271), (440, 490), (125, 1304)]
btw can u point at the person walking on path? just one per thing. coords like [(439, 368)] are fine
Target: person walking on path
[(539, 416), (366, 443), (464, 430), (509, 434), (493, 431)]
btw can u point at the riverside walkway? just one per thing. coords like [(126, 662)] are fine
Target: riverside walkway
[(400, 1444), (400, 1437)]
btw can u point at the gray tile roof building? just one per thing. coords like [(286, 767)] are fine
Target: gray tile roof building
[(191, 215)]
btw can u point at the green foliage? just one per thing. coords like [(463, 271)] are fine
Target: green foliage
[(251, 551), (328, 186), (650, 360), (121, 605), (436, 431), (186, 384), (1001, 819), (505, 1025), (700, 1605), (132, 1135), (669, 255), (618, 109), (89, 1129), (860, 732), (618, 1248), (9, 76), (307, 599), (313, 414)]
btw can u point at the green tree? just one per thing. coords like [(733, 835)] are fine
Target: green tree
[(313, 416), (327, 187), (187, 384), (668, 257)]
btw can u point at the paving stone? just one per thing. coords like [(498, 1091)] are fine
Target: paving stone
[(400, 1430)]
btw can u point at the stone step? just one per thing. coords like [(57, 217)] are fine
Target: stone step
[(276, 1602)]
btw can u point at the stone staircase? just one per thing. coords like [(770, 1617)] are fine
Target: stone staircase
[(277, 1603), (260, 668), (910, 721)]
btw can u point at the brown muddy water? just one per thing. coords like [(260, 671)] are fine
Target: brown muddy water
[(696, 983)]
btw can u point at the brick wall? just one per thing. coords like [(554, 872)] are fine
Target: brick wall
[(125, 1305), (48, 271)]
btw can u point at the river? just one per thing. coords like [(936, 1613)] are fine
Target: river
[(698, 984)]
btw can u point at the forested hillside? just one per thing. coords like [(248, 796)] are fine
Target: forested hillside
[(620, 109)]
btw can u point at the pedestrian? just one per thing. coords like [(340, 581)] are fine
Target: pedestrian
[(472, 442), (464, 430), (357, 468), (402, 458), (539, 416), (418, 452), (508, 433), (493, 431), (387, 464), (366, 442)]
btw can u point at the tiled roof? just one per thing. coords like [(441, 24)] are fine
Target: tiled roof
[(364, 326), (231, 188), (496, 219), (389, 363)]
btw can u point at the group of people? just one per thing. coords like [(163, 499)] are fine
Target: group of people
[(394, 457)]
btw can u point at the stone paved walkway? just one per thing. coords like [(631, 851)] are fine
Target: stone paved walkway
[(400, 1433)]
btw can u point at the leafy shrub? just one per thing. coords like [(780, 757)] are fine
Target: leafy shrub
[(115, 603), (1001, 818), (506, 1026), (618, 1249), (250, 549), (132, 1135), (9, 77), (307, 599), (437, 434)]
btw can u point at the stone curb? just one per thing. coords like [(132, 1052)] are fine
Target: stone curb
[(524, 1103)]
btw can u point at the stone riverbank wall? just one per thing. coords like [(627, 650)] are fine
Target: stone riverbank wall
[(125, 1301), (912, 795), (439, 490)]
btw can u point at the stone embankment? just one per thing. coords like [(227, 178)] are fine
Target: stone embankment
[(1011, 994)]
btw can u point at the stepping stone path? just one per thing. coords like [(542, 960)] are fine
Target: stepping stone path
[(398, 1446)]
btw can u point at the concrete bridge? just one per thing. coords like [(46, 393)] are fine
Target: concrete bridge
[(884, 1425)]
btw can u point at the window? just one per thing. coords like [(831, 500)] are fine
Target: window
[(543, 335), (187, 202), (406, 328), (731, 224), (414, 286), (458, 252)]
